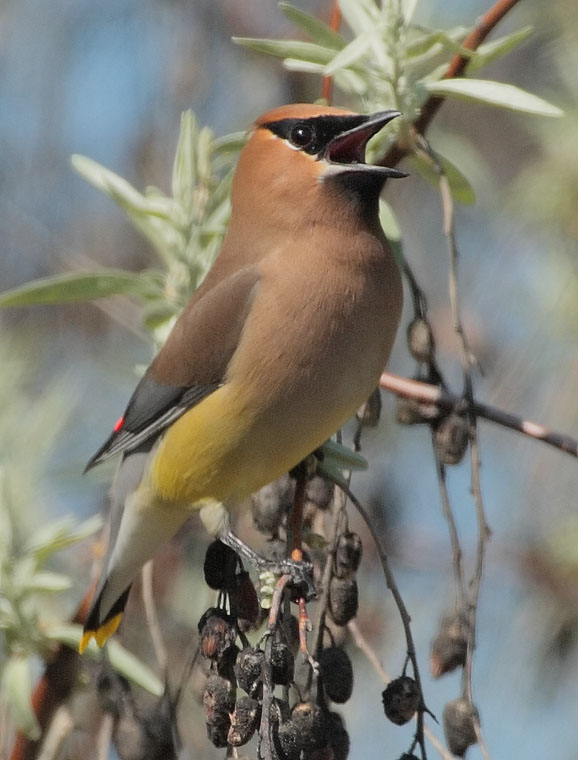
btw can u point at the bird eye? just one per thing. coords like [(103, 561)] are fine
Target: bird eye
[(302, 136)]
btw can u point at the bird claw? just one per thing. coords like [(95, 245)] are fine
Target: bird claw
[(296, 572)]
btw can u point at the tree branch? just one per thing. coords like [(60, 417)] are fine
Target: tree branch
[(456, 68), (426, 393)]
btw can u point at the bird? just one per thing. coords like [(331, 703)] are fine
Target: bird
[(280, 344)]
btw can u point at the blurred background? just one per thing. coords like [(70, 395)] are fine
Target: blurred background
[(109, 80)]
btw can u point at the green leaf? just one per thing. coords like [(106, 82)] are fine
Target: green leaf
[(392, 231), (360, 15), (184, 174), (58, 535), (337, 455), (491, 51), (120, 190), (302, 51), (314, 27), (46, 581), (460, 187), (231, 143), (78, 286), (120, 658), (347, 79), (350, 54), (6, 531), (494, 94), (17, 689)]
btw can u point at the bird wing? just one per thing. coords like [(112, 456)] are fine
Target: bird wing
[(190, 366)]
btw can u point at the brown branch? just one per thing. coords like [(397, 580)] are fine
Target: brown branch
[(327, 81), (425, 393), (401, 608), (456, 68)]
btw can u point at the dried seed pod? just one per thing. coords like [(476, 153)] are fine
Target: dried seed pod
[(220, 566), (343, 599), (290, 627), (337, 736), (270, 505), (282, 663), (218, 729), (280, 711), (249, 670), (400, 700), (420, 340), (320, 491), (310, 721), (289, 739), (337, 673), (347, 554), (219, 696), (459, 718), (244, 721), (369, 413), (411, 412), (217, 633), (408, 756), (451, 438), (449, 647), (244, 601)]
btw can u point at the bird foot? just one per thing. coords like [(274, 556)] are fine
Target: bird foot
[(300, 571)]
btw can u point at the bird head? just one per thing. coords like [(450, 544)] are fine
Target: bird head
[(299, 156)]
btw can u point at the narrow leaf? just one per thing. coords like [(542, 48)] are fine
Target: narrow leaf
[(17, 688), (361, 15), (58, 535), (120, 658), (77, 286), (491, 51), (183, 178), (302, 51), (47, 582), (392, 231), (350, 54), (314, 27), (460, 186), (341, 456), (494, 94), (120, 190)]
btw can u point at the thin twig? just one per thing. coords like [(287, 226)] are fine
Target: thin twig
[(402, 609), (427, 393), (323, 600), (151, 616), (61, 726), (364, 646), (327, 81), (476, 581), (476, 489), (456, 68), (104, 737), (453, 531)]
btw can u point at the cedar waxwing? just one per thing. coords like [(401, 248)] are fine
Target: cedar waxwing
[(286, 337)]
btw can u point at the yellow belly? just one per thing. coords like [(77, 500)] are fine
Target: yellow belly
[(226, 447)]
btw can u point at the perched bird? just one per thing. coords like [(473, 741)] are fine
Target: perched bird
[(285, 338)]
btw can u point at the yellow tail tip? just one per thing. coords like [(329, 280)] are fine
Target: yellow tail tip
[(100, 635)]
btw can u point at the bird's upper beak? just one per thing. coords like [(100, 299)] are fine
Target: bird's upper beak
[(346, 151)]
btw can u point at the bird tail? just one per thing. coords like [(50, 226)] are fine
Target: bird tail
[(101, 629)]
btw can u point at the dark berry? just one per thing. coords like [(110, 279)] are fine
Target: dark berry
[(337, 673), (400, 700)]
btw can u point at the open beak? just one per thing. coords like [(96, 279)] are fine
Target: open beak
[(346, 152)]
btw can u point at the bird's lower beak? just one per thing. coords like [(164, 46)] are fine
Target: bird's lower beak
[(346, 152)]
